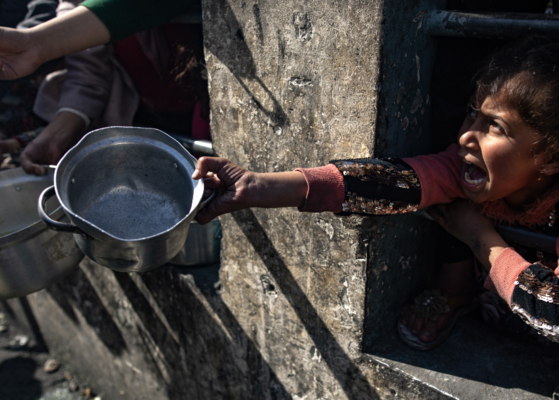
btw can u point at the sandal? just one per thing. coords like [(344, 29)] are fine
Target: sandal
[(431, 304)]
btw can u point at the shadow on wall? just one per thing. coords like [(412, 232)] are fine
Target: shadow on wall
[(237, 57), (348, 375)]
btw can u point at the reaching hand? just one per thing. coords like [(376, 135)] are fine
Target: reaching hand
[(18, 57), (462, 220), (238, 188), (51, 144), (231, 183)]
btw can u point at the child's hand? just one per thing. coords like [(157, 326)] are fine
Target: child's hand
[(462, 220), (231, 183), (238, 188)]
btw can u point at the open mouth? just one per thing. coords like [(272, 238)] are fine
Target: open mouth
[(473, 175)]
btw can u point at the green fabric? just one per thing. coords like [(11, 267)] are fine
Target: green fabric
[(126, 17)]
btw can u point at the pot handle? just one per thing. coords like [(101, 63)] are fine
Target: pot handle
[(207, 201), (51, 223)]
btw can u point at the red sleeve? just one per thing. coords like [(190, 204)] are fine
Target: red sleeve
[(504, 273), (326, 190), (439, 175)]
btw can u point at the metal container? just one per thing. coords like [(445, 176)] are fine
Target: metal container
[(31, 256), (202, 246), (129, 195)]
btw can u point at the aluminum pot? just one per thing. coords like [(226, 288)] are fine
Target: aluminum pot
[(129, 195), (31, 256)]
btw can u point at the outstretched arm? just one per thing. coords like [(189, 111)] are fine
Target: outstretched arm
[(23, 51)]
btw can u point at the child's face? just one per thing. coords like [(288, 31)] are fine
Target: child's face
[(499, 161)]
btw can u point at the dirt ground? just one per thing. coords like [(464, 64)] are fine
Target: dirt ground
[(29, 372)]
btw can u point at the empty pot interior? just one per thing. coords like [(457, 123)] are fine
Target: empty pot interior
[(130, 190)]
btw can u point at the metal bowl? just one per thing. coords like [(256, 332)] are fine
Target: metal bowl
[(31, 256)]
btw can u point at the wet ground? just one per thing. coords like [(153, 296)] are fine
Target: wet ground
[(29, 372)]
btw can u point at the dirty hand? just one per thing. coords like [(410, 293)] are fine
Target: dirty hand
[(231, 183), (18, 56), (238, 188), (462, 220), (51, 144)]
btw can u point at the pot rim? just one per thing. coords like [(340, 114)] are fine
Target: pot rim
[(197, 194), (34, 229)]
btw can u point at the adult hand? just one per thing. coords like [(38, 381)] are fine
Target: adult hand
[(462, 220), (51, 144), (238, 188), (23, 51), (18, 56)]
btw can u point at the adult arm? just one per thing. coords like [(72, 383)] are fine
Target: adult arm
[(23, 51), (94, 23)]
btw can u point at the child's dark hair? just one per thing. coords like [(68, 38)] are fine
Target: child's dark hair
[(528, 74)]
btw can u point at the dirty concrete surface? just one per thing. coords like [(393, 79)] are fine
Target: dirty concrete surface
[(29, 372)]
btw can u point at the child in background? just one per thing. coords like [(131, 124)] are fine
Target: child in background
[(504, 166)]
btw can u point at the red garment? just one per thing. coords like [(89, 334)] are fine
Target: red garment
[(160, 93), (439, 175)]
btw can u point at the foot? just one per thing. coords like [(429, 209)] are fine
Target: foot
[(431, 312), (427, 321)]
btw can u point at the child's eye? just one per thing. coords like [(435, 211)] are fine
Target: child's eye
[(496, 128)]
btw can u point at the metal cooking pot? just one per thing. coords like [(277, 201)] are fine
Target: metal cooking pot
[(129, 195), (31, 256)]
